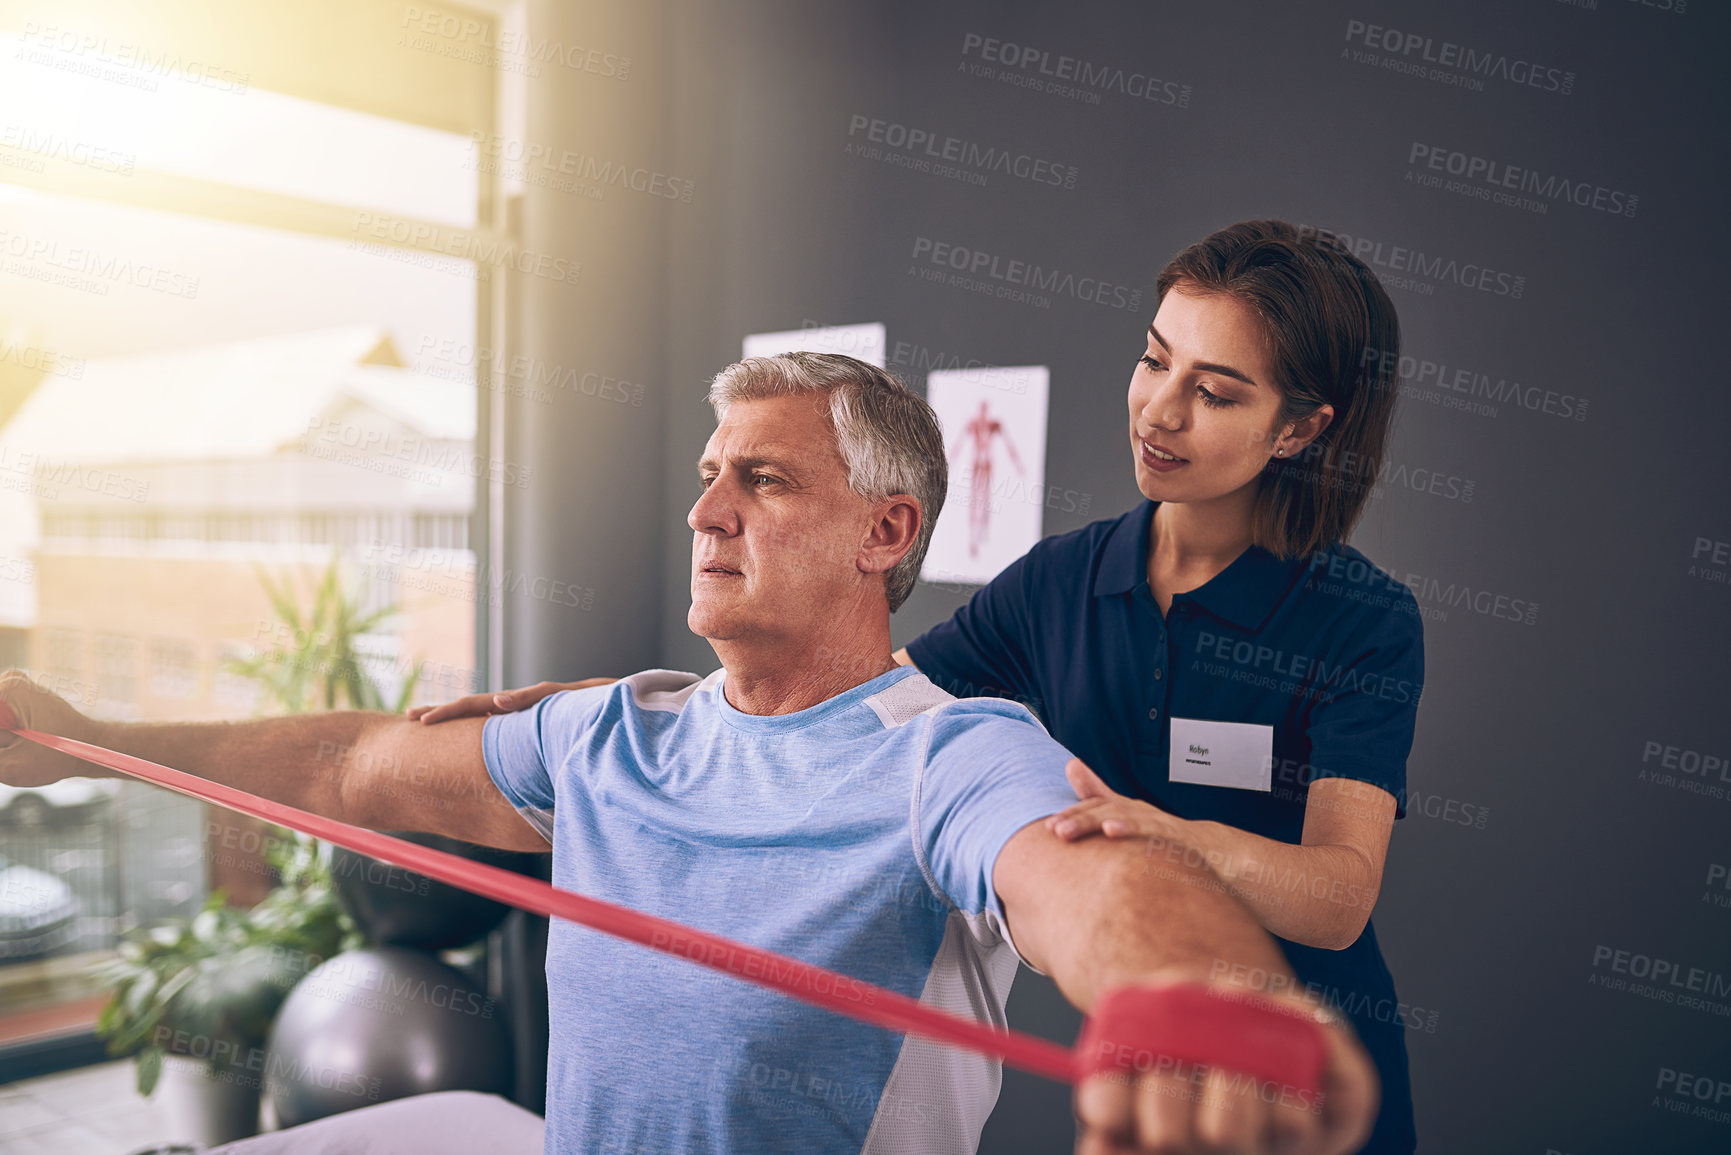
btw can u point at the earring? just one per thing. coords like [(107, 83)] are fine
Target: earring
[(1278, 452)]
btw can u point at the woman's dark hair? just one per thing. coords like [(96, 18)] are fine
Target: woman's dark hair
[(1333, 339)]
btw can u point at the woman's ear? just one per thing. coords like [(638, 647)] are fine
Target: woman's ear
[(1305, 430)]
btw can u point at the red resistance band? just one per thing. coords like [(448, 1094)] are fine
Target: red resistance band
[(1183, 1021), (1279, 1046)]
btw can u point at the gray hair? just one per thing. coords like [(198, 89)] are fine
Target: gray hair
[(888, 436)]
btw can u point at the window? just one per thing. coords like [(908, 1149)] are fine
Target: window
[(173, 669), (62, 655), (116, 672), (235, 695), (222, 347)]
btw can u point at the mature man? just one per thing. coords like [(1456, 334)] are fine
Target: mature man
[(813, 797)]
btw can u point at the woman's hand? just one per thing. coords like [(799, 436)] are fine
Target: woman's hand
[(1102, 811), (1346, 829), (504, 702)]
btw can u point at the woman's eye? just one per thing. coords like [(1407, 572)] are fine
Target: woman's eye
[(1213, 400), (1145, 359)]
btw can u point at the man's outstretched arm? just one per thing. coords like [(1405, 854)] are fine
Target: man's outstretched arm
[(376, 770), (1105, 913)]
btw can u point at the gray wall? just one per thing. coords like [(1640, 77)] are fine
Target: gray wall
[(1547, 836)]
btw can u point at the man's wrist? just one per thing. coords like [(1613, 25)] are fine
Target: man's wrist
[(1276, 985), (1208, 972)]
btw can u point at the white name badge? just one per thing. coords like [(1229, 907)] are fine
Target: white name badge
[(1236, 754)]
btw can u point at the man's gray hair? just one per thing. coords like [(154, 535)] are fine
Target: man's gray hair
[(888, 436)]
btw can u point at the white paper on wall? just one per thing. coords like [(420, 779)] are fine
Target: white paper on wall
[(995, 433), (863, 341)]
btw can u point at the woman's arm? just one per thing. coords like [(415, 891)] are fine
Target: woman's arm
[(502, 702), (510, 701), (1319, 892)]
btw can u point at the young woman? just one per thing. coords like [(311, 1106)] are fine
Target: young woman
[(1245, 684)]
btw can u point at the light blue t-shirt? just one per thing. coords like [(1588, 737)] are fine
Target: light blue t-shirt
[(858, 835)]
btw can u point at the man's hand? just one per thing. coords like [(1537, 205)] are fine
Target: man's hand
[(1103, 914), (504, 702), (1153, 1102), (24, 763)]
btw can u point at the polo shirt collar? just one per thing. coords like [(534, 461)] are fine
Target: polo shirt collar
[(1245, 593), (1124, 559)]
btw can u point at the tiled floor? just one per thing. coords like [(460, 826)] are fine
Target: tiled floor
[(90, 1111)]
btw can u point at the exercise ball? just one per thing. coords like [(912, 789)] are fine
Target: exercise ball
[(382, 1023), (393, 906)]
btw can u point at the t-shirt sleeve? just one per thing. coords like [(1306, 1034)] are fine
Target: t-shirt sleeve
[(985, 648), (990, 769), (525, 749), (1362, 728)]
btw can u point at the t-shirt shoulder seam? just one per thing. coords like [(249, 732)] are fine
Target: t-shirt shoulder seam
[(914, 799), (1018, 704)]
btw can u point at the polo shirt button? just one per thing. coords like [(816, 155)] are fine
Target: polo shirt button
[(1158, 674), (1154, 714)]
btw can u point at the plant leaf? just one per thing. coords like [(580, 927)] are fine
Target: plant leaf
[(149, 1069)]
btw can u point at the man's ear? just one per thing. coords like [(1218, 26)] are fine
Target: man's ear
[(895, 524)]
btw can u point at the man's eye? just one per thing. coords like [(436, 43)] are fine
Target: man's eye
[(760, 478), (704, 482)]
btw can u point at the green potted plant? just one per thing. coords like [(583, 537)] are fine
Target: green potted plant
[(195, 998), (323, 668)]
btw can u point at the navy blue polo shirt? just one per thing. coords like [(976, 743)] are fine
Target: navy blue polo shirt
[(1323, 654)]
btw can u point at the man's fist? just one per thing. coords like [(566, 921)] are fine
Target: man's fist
[(1287, 1078), (27, 706)]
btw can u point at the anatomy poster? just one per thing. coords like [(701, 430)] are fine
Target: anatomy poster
[(863, 341), (995, 434)]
